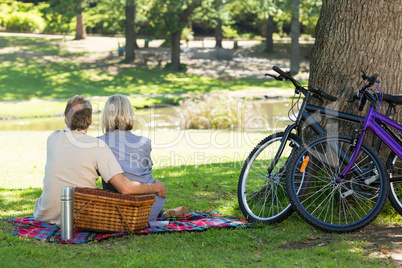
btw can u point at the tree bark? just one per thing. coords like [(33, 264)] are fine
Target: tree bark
[(176, 37), (295, 34), (80, 32), (352, 35), (269, 33), (130, 31), (218, 33)]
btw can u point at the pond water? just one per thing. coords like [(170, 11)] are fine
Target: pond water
[(260, 115)]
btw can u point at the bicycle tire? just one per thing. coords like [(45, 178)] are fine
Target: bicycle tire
[(394, 167), (327, 203), (263, 197)]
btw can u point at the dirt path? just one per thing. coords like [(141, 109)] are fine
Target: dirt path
[(201, 57)]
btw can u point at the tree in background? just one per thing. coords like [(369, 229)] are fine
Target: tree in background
[(69, 9), (265, 11), (294, 35), (80, 32), (222, 11), (106, 17), (304, 12), (354, 35), (130, 31), (217, 14), (170, 17), (268, 11), (309, 13), (218, 6)]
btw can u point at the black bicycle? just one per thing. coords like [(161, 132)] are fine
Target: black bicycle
[(262, 192)]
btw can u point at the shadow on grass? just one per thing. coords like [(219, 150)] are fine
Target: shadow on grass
[(33, 45), (26, 79), (18, 202), (202, 187), (39, 68)]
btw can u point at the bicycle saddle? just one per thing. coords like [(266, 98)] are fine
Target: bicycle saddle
[(397, 99)]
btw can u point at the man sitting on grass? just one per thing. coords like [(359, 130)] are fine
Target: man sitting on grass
[(76, 159)]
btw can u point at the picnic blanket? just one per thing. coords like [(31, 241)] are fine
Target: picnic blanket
[(195, 221)]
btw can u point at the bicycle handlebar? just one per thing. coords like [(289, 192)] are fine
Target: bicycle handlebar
[(321, 93), (373, 80), (287, 76), (367, 95), (318, 93)]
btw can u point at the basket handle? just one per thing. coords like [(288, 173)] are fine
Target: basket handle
[(79, 211), (124, 219)]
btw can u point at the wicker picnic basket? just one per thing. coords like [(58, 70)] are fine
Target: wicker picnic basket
[(106, 211)]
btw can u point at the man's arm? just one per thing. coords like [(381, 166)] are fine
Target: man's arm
[(126, 186)]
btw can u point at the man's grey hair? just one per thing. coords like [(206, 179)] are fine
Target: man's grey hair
[(78, 113)]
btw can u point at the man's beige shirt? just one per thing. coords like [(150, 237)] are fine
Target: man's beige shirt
[(73, 159)]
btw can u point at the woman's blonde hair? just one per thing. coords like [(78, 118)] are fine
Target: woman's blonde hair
[(117, 114)]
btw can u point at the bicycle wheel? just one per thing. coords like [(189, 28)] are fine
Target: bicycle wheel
[(324, 200), (262, 196), (394, 167)]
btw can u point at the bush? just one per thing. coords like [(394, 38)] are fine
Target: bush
[(18, 16), (213, 111), (229, 32), (55, 23), (25, 22), (187, 34)]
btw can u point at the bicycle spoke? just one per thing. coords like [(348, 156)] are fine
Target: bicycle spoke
[(327, 201)]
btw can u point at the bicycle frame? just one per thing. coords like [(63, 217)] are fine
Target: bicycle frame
[(305, 116), (315, 126), (371, 123)]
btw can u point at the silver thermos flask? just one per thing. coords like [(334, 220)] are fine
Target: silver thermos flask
[(66, 215)]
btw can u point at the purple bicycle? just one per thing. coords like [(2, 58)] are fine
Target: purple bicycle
[(338, 183)]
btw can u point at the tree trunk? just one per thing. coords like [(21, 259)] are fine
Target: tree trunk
[(80, 32), (294, 34), (269, 33), (175, 65), (130, 31), (355, 35), (218, 33), (176, 36)]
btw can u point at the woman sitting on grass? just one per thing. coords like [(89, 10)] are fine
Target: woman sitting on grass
[(131, 151)]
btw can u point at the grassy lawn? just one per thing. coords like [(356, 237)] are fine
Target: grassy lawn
[(36, 70), (202, 179), (39, 68), (199, 168)]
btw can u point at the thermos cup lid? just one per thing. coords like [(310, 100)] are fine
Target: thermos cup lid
[(67, 191)]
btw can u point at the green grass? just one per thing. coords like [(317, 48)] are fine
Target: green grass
[(200, 178), (39, 68), (27, 79)]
